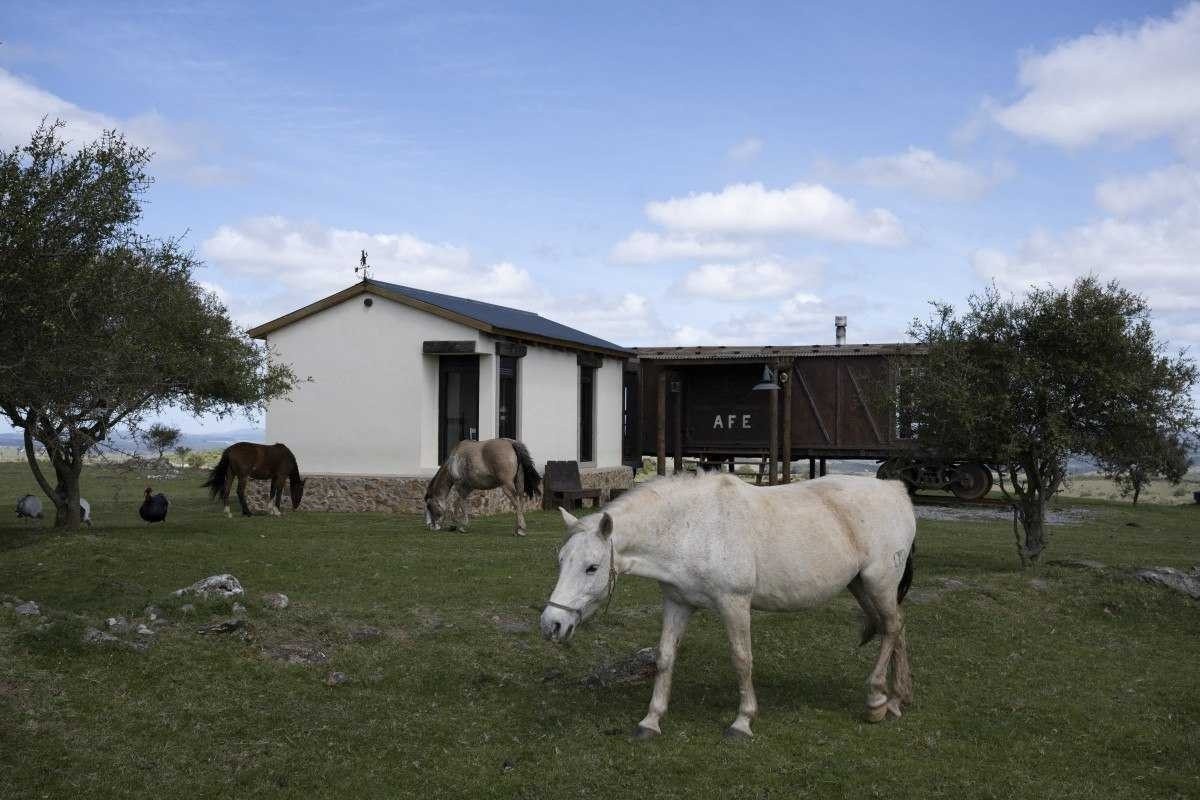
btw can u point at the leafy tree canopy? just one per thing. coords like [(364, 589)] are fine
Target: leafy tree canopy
[(100, 325), (1027, 383)]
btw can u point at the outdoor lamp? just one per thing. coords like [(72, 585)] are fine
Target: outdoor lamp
[(768, 383)]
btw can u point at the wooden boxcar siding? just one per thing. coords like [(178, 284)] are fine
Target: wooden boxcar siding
[(841, 407)]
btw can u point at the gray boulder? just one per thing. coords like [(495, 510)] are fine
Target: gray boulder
[(27, 609), (224, 585), (276, 600)]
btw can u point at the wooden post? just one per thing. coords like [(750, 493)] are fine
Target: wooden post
[(773, 435), (822, 468), (787, 425), (677, 403), (812, 468), (661, 443)]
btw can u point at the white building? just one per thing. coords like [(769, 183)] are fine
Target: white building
[(400, 375)]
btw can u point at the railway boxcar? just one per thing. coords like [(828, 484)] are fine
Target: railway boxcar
[(783, 404)]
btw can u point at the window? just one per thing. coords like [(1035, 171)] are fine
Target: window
[(587, 407), (506, 405)]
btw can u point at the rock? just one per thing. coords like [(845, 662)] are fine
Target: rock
[(1040, 584), (27, 609), (224, 585), (187, 608), (142, 630), (1180, 581), (238, 608), (366, 633), (276, 600), (953, 584), (336, 679), (152, 613), (117, 624), (227, 626), (95, 636), (303, 653)]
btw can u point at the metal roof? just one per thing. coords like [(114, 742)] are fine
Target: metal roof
[(503, 317), (767, 352), (486, 317)]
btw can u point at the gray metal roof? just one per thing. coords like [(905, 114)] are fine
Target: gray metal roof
[(500, 317), (760, 353)]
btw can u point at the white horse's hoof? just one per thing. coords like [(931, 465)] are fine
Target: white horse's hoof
[(641, 733), (228, 515), (733, 734), (519, 533)]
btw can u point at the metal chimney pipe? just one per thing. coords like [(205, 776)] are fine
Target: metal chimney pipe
[(839, 328)]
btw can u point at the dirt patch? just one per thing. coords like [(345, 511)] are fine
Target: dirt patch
[(1068, 516), (640, 666), (299, 653)]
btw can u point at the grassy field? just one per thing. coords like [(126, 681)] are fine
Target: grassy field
[(1062, 683)]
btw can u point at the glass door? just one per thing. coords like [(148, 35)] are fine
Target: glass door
[(458, 402)]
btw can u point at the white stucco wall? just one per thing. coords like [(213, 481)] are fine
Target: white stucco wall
[(372, 406)]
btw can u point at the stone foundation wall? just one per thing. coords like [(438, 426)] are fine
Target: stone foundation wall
[(406, 495)]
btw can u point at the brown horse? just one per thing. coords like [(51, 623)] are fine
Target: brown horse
[(482, 465), (243, 460)]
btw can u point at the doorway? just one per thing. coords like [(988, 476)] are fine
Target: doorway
[(458, 402)]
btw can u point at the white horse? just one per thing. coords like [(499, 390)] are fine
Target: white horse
[(716, 542)]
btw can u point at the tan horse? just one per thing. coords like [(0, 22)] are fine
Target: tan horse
[(482, 465)]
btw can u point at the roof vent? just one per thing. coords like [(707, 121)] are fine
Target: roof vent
[(839, 329)]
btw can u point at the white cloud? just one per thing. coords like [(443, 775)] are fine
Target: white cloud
[(647, 247), (307, 255), (1155, 254), (1133, 83), (23, 106), (924, 172), (804, 209), (1160, 190), (749, 280), (747, 149), (627, 320)]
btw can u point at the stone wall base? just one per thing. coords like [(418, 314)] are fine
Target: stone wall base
[(406, 495)]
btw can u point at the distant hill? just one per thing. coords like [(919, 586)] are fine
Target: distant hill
[(205, 440)]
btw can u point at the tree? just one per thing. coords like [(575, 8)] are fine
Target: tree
[(100, 326), (162, 438), (1025, 384), (1142, 456), (182, 454)]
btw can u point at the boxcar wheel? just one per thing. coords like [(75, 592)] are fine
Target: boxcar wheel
[(971, 481)]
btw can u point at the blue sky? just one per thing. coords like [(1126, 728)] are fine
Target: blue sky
[(678, 174)]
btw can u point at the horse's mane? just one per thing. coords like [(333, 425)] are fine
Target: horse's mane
[(439, 479), (662, 489)]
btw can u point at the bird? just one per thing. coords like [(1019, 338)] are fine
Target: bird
[(29, 507), (154, 507)]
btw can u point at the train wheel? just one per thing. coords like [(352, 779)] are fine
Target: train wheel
[(893, 470), (971, 481)]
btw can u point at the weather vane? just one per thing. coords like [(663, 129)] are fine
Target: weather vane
[(363, 266)]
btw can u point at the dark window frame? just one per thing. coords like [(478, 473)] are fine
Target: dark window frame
[(509, 428), (587, 414)]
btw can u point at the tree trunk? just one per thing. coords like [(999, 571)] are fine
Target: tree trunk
[(67, 512), (1137, 489), (1032, 513)]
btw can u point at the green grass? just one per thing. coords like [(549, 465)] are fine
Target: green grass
[(1088, 687)]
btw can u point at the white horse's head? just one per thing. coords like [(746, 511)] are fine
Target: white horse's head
[(586, 575)]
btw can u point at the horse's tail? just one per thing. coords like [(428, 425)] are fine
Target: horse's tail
[(532, 480), (216, 478), (906, 578)]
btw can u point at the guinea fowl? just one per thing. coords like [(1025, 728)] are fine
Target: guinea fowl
[(154, 507), (29, 507)]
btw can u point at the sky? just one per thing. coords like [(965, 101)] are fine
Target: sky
[(655, 174)]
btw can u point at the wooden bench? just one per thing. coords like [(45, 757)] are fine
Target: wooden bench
[(561, 486)]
